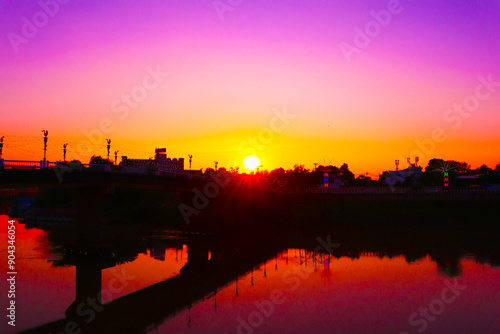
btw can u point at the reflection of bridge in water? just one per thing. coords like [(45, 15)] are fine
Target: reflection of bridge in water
[(231, 258), (150, 306)]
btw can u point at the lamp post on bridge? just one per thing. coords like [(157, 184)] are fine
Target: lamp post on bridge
[(190, 157), (109, 145), (45, 138), (116, 156), (64, 151), (1, 147)]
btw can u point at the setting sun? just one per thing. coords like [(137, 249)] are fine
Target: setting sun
[(251, 162)]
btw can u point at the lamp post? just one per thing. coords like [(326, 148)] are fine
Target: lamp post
[(45, 138), (109, 145), (64, 151), (1, 147), (216, 163), (190, 158), (116, 156)]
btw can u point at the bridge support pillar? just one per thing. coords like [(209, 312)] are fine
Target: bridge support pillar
[(88, 284), (197, 256), (89, 202)]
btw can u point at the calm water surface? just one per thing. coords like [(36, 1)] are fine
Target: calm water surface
[(289, 290)]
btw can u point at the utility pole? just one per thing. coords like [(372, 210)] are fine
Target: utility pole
[(64, 151), (1, 147), (45, 134), (116, 156), (109, 145), (190, 158), (216, 163)]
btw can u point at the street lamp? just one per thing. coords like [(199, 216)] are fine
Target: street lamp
[(116, 156), (45, 134), (1, 147), (109, 145), (216, 163), (190, 158), (64, 151)]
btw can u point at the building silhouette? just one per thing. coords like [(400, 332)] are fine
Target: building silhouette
[(160, 163)]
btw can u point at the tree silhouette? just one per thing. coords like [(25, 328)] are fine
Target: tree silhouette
[(483, 170), (440, 165), (98, 160)]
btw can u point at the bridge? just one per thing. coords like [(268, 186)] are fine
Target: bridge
[(249, 201), (55, 175)]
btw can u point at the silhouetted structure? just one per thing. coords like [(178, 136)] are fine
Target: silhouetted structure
[(45, 134), (108, 146), (1, 147), (160, 163), (411, 174)]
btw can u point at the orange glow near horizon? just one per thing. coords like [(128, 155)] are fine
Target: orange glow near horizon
[(231, 148)]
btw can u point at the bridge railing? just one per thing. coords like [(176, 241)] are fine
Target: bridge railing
[(21, 164), (40, 164)]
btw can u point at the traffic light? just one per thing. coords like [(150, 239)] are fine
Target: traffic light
[(446, 179)]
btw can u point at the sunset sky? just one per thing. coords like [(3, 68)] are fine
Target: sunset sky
[(224, 72)]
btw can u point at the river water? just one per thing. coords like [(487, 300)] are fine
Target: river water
[(325, 284)]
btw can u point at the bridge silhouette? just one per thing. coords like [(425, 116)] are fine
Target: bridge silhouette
[(69, 178)]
